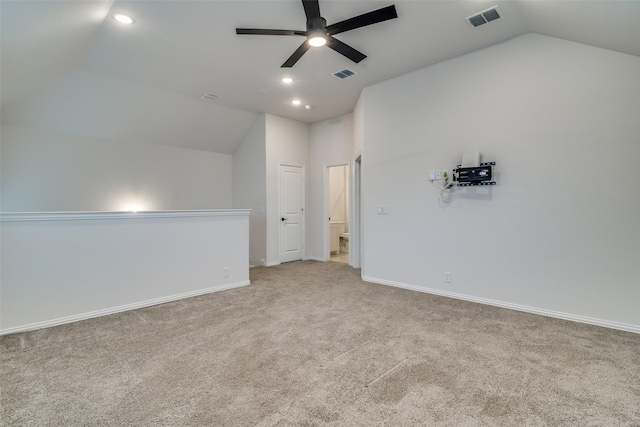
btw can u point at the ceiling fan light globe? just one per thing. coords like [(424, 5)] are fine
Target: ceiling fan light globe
[(317, 41)]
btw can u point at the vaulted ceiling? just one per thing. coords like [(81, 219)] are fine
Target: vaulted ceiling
[(68, 66)]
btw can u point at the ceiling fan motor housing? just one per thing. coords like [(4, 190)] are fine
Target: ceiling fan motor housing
[(316, 24)]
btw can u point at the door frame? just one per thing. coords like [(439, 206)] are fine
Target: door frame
[(303, 222), (326, 245), (355, 212)]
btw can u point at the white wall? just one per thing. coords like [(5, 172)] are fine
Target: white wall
[(107, 108), (331, 143), (338, 193), (287, 141), (59, 268), (559, 232), (358, 126), (250, 188), (47, 171)]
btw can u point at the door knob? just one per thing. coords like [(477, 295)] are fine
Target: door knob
[(284, 219)]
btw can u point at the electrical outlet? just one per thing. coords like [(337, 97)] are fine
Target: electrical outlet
[(447, 277), (438, 174), (432, 175), (383, 209), (225, 272)]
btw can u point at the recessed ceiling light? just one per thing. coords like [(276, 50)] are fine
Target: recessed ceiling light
[(287, 80), (296, 102), (123, 19), (307, 107)]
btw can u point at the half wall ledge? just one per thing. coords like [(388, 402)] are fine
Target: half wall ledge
[(61, 267)]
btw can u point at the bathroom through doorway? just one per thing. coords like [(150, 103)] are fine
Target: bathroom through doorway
[(337, 213)]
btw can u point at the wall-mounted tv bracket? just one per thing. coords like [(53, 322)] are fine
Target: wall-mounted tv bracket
[(481, 175)]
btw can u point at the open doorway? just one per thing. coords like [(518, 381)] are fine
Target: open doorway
[(337, 212)]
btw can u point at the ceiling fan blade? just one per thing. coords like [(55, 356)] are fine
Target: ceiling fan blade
[(374, 17), (311, 9), (265, 32), (296, 55), (345, 49)]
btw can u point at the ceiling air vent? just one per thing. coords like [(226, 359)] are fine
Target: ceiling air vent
[(343, 74), (209, 97), (483, 17)]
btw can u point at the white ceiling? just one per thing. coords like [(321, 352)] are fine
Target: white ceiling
[(177, 50)]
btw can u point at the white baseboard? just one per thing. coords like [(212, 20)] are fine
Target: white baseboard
[(518, 307), (121, 308), (272, 263), (314, 258)]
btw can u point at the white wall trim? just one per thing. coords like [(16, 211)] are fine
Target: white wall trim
[(121, 308), (315, 258), (261, 263), (355, 217), (88, 215), (517, 307), (272, 263)]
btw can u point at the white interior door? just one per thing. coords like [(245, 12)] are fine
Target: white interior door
[(291, 213)]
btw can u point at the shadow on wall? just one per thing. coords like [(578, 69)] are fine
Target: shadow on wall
[(474, 193)]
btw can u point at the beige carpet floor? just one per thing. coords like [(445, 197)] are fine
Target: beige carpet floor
[(310, 344)]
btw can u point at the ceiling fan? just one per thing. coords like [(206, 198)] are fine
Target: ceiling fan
[(319, 33)]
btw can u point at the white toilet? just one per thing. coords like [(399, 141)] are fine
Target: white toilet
[(344, 242), (337, 230)]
